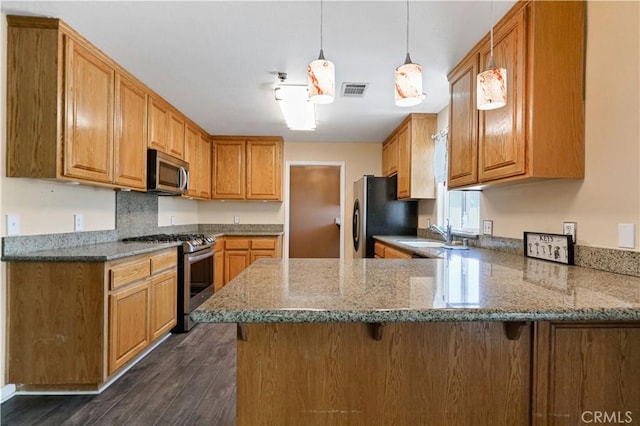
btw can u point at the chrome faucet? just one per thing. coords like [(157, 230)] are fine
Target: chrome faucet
[(444, 233)]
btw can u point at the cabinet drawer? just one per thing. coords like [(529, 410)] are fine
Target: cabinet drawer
[(379, 250), (219, 244), (163, 261), (237, 244), (392, 253), (263, 244), (126, 273)]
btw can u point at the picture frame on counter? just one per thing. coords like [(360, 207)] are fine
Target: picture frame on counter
[(552, 247)]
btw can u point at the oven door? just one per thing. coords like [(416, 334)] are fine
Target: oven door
[(198, 277)]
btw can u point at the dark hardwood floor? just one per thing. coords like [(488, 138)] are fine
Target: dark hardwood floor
[(190, 379)]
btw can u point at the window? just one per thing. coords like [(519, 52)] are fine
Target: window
[(461, 208)]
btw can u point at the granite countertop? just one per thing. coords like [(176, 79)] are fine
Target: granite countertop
[(102, 252), (463, 285)]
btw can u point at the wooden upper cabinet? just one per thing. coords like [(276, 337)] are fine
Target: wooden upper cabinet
[(463, 125), (540, 131), (247, 168), (130, 160), (176, 135), (264, 170), (198, 154), (415, 148), (204, 169), (191, 157), (390, 157), (501, 131), (88, 136), (229, 169), (159, 116)]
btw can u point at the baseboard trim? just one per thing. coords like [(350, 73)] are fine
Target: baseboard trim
[(9, 391)]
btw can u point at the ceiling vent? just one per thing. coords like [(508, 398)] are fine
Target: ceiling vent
[(354, 90)]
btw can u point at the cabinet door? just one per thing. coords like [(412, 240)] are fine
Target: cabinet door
[(585, 367), (130, 148), (163, 303), (158, 125), (218, 270), (390, 157), (176, 135), (88, 139), (463, 125), (229, 169), (404, 162), (502, 134), (191, 156), (204, 169), (128, 324), (264, 170), (235, 261)]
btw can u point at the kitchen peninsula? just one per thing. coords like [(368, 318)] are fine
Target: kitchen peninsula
[(479, 337)]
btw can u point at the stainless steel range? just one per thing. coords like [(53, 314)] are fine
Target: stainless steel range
[(195, 272)]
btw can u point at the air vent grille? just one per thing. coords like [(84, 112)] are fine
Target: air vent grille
[(354, 90)]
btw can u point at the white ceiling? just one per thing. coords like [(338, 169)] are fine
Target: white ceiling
[(217, 61)]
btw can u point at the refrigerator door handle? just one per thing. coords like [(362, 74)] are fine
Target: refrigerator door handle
[(355, 230)]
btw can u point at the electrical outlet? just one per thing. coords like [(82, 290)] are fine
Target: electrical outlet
[(13, 224), (236, 219), (627, 235), (173, 220), (570, 228), (78, 222), (487, 227)]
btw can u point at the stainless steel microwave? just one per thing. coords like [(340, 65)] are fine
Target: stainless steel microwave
[(166, 175)]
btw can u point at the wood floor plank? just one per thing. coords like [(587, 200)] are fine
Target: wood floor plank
[(188, 379)]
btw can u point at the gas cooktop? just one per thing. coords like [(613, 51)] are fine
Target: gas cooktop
[(190, 242)]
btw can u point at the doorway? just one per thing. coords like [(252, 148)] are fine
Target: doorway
[(313, 219)]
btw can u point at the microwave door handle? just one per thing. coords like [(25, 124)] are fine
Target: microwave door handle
[(184, 179)]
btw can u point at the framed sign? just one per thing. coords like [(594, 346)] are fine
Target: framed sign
[(553, 247)]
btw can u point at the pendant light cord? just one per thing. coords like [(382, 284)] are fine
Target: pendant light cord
[(491, 64), (321, 16), (407, 27)]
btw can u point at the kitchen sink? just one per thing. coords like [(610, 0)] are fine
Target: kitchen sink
[(422, 244)]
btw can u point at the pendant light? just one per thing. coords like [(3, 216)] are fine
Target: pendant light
[(321, 75), (408, 78), (492, 82)]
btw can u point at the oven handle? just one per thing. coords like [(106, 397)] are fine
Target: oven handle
[(199, 255)]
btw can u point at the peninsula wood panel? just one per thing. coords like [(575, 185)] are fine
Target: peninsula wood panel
[(584, 367), (130, 147), (55, 317), (418, 373), (88, 138)]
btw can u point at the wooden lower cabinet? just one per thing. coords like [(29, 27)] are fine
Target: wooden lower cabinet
[(240, 252), (384, 251), (128, 324), (71, 325), (586, 373)]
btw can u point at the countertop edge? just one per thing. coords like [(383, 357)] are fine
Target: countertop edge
[(391, 316)]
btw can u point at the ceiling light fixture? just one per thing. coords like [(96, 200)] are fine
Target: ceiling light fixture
[(293, 100), (492, 82), (322, 75), (408, 78)]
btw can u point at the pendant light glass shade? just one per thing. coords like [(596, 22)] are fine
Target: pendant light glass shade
[(492, 88), (408, 79), (408, 82), (321, 74)]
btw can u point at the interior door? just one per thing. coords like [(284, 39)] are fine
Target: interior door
[(314, 211)]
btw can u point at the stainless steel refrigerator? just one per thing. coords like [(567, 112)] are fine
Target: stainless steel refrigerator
[(377, 211)]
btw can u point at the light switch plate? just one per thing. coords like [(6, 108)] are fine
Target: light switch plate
[(570, 228), (626, 235), (13, 224), (487, 227)]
